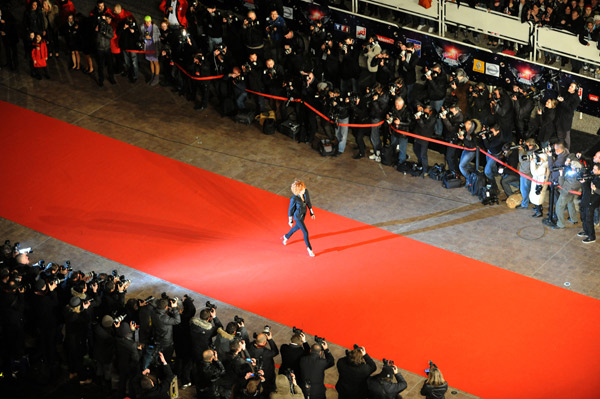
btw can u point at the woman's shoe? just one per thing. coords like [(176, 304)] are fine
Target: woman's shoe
[(284, 240), (310, 252)]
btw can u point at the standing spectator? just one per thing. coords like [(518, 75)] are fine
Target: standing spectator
[(51, 26), (175, 12), (312, 369), (74, 39), (151, 38), (354, 369), (39, 57), (33, 20), (10, 38)]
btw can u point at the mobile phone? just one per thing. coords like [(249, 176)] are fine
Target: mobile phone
[(427, 371)]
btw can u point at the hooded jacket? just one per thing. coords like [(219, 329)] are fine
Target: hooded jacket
[(201, 334), (284, 389)]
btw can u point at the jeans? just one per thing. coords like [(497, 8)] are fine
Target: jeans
[(299, 225), (131, 64), (240, 96), (490, 171), (465, 162), (420, 149), (437, 105), (525, 188), (341, 133), (375, 136), (402, 141)]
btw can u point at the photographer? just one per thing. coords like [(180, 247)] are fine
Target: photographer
[(479, 104), (294, 41), (435, 386), (425, 126), (568, 182), (45, 312), (523, 104), (360, 115), (78, 318), (509, 176), (129, 33), (253, 35), (371, 50), (165, 316), (286, 388), (385, 67), (542, 126), (526, 154), (537, 194), (128, 357), (329, 61), (275, 26), (469, 137), (349, 67), (104, 34), (565, 110), (273, 75), (452, 119), (493, 142), (354, 369), (317, 36), (104, 349), (399, 118), (407, 69), (504, 114), (590, 201), (253, 74), (183, 343), (264, 357), (387, 384), (152, 389), (339, 113), (202, 331), (237, 363), (212, 24), (377, 103), (292, 352), (199, 69), (307, 118), (312, 369), (209, 371), (435, 83)]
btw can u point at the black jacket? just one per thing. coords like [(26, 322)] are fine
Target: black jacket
[(290, 357), (312, 369), (265, 355), (162, 389), (407, 68), (379, 389), (565, 110), (202, 333), (352, 382), (431, 392), (426, 126), (436, 87), (207, 378)]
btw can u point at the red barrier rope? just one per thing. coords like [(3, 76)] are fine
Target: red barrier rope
[(197, 77), (140, 52), (432, 140)]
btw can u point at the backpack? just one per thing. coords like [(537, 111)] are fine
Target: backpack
[(436, 172), (475, 182), (488, 195), (387, 155)]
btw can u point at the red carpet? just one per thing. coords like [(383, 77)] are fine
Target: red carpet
[(494, 333)]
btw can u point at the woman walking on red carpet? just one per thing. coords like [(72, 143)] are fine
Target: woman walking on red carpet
[(299, 202)]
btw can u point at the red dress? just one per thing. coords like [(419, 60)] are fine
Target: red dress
[(39, 54)]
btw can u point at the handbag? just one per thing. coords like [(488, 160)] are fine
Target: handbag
[(425, 3)]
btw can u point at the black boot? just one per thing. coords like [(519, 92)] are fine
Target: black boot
[(538, 212)]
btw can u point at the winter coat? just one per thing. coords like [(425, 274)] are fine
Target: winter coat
[(39, 54), (163, 322), (201, 335), (312, 368), (352, 383), (104, 344), (434, 392), (372, 50), (104, 36), (539, 172), (283, 389), (182, 7), (290, 357)]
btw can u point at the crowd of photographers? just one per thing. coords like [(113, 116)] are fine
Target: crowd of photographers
[(55, 318), (240, 60)]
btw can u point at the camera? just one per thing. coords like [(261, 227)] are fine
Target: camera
[(120, 318), (421, 115), (319, 340), (443, 114), (270, 71), (41, 264), (266, 330), (237, 319), (388, 363), (210, 306), (297, 330)]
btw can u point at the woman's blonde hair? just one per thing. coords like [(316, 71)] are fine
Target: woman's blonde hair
[(435, 377), (553, 103), (298, 186)]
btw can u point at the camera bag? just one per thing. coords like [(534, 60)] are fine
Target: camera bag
[(327, 147), (475, 182), (436, 172), (244, 117), (450, 180), (290, 128), (387, 155), (269, 126)]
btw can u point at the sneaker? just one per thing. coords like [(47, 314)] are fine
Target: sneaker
[(184, 386), (284, 240), (310, 252), (588, 240), (373, 156), (377, 159), (581, 234)]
